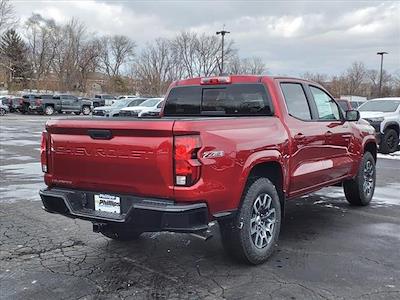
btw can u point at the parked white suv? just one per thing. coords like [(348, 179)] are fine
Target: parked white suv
[(384, 115)]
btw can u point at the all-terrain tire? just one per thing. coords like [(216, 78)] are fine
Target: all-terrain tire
[(390, 141), (86, 110), (240, 235), (360, 190), (49, 110)]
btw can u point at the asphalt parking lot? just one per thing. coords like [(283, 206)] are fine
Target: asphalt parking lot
[(327, 249)]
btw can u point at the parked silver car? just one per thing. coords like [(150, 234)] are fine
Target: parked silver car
[(114, 109), (4, 109)]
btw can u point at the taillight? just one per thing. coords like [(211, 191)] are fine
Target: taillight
[(187, 166), (43, 151), (215, 80)]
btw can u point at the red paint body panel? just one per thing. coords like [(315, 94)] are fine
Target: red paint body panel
[(138, 159)]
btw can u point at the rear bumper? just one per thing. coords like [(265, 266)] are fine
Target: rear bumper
[(142, 214)]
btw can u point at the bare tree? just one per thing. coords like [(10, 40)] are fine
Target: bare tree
[(117, 50), (155, 68), (199, 55), (88, 61), (316, 77), (7, 15), (373, 77), (185, 47), (253, 65), (67, 41), (39, 33), (209, 49), (355, 77)]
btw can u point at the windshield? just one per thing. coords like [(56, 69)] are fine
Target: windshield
[(380, 105), (150, 102), (120, 103)]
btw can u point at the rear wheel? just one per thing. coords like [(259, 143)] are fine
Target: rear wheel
[(252, 235), (120, 233), (49, 110), (2, 111), (390, 141), (359, 190), (86, 110)]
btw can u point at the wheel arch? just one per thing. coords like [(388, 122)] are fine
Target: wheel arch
[(274, 171), (371, 147), (392, 125)]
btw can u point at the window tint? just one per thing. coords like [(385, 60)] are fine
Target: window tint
[(326, 107), (296, 100), (183, 101), (221, 100)]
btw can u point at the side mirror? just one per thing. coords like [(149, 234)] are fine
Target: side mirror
[(352, 115)]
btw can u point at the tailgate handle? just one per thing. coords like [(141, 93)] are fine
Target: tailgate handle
[(100, 134)]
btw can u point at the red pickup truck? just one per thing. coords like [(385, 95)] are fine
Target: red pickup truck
[(229, 148)]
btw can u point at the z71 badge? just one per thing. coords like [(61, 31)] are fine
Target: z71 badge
[(213, 154)]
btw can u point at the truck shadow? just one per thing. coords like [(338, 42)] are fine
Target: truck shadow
[(179, 264)]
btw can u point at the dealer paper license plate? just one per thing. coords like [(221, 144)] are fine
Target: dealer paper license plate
[(107, 203)]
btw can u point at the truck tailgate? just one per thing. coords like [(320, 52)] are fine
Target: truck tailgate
[(115, 156)]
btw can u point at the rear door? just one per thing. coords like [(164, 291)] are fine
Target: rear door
[(66, 103), (75, 104), (308, 162)]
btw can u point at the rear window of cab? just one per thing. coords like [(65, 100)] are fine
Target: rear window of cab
[(219, 100)]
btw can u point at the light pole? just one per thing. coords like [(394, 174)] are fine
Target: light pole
[(382, 53), (222, 33)]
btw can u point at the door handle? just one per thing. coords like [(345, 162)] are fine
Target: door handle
[(100, 134), (299, 136), (328, 133)]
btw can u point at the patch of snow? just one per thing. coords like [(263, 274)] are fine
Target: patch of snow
[(20, 192), (383, 197), (394, 155), (31, 170), (319, 202), (19, 143)]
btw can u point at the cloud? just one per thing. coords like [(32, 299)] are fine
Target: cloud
[(292, 37)]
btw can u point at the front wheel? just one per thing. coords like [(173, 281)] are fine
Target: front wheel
[(390, 141), (49, 110), (252, 235), (86, 110), (2, 111), (359, 190)]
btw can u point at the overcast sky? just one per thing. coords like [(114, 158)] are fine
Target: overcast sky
[(291, 36)]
